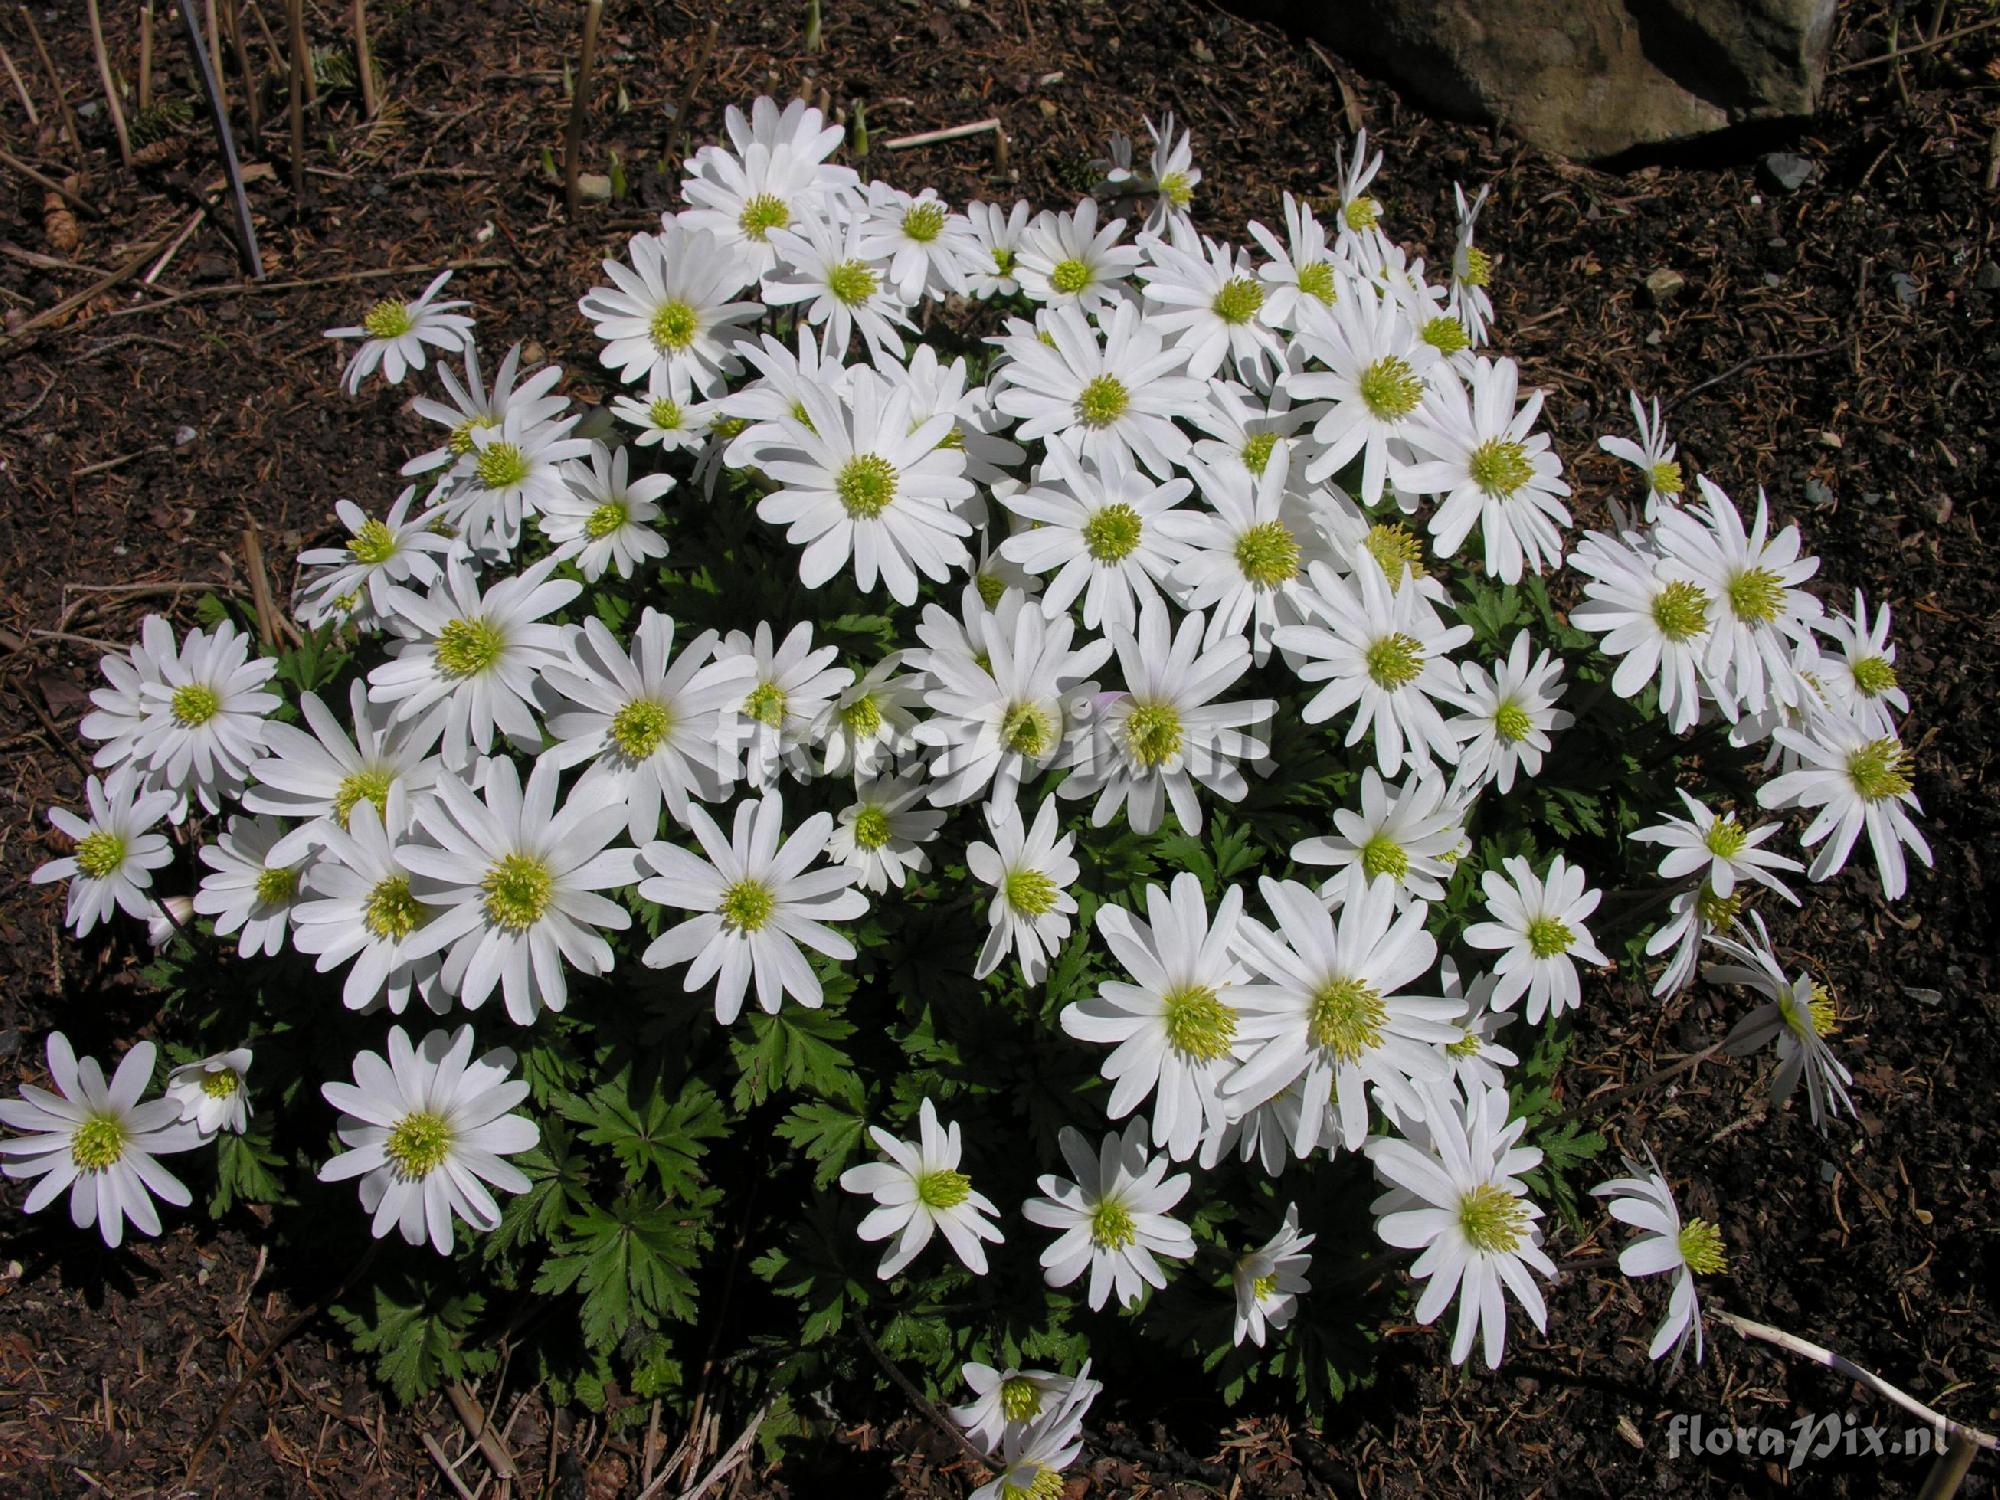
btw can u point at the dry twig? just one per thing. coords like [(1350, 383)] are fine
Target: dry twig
[(110, 84), (27, 103), (48, 184), (578, 103), (55, 83)]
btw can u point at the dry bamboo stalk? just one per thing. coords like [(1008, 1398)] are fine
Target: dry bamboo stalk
[(110, 84), (209, 20), (252, 85), (20, 88), (145, 57), (55, 83), (301, 70), (363, 64), (46, 184), (573, 137)]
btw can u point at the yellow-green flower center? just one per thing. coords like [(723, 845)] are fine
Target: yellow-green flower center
[(358, 786), (1680, 610), (924, 222), (387, 319), (1394, 660), (418, 1144), (1512, 723), (1700, 1245), (1466, 1046), (1445, 334), (1390, 389), (1003, 261), (1755, 595), (638, 728), (1492, 1219), (1874, 675), (726, 428), (99, 853), (1238, 300), (1178, 190), (1499, 467), (1395, 547), (1361, 214), (1549, 936), (465, 648), (194, 704), (866, 485), (1027, 729), (1718, 911), (99, 1142), (852, 282), (372, 545), (1112, 533), (1346, 1018), (1029, 892), (766, 704), (1382, 855), (1153, 734), (943, 1189), (1111, 1226), (665, 414), (1069, 277), (762, 214), (1268, 554), (1102, 401), (862, 718), (1198, 1025), (1317, 281), (391, 912), (1725, 837), (991, 586), (1820, 1019), (1257, 450), (1879, 770), (1264, 1287), (604, 520), (1478, 267), (518, 890), (460, 441), (1665, 478), (277, 885), (500, 466), (674, 326), (221, 1084), (871, 827), (1020, 1399), (1046, 1485), (747, 905)]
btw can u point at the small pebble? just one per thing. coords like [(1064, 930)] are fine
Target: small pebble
[(1906, 288), (183, 435), (1665, 284), (1987, 277), (1788, 171)]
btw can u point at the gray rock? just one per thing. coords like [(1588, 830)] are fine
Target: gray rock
[(1987, 277), (1665, 284), (1785, 170), (1586, 78)]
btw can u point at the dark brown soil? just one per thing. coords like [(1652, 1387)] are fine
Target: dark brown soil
[(1835, 344)]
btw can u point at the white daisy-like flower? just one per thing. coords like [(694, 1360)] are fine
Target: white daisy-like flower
[(756, 902), (881, 834), (871, 726), (1112, 1214), (1855, 779), (1301, 270), (785, 693), (1537, 929), (1209, 296), (773, 406), (1173, 1028), (1461, 1201), (1114, 399), (350, 583), (394, 334), (926, 245), (1864, 674), (511, 471), (211, 1093), (116, 851), (822, 265), (1376, 373), (1360, 216), (1031, 874), (1654, 625), (1477, 1059), (1147, 749), (473, 405), (1666, 1243), (1066, 260), (427, 1130), (98, 1141), (1798, 1014), (1328, 1009), (359, 906), (650, 724), (1033, 1455), (773, 175), (919, 1192), (994, 255), (1409, 835), (250, 887), (606, 519), (1652, 456), (1719, 848), (1173, 175), (671, 306), (1247, 561), (514, 883), (1013, 1399), (1269, 1280), (669, 416), (318, 777), (471, 658), (1106, 531), (977, 430), (1471, 269), (1492, 468), (1761, 613), (1509, 716), (1246, 427), (870, 487), (1382, 652)]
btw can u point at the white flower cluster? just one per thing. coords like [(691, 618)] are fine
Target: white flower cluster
[(1187, 460)]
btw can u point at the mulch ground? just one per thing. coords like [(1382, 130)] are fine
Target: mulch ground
[(1835, 343)]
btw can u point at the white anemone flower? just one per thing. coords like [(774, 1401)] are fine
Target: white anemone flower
[(1011, 1400), (1031, 874), (510, 472), (251, 888), (1477, 1059), (992, 260), (1666, 1243), (1329, 1009), (1798, 1014), (871, 726), (1173, 175), (1245, 428), (1067, 260), (1247, 561), (1269, 1280), (1652, 456), (1376, 373), (1299, 271), (1360, 216), (1492, 468), (823, 266), (211, 1092), (473, 405), (473, 658), (1537, 928), (671, 306), (919, 1192), (649, 723), (514, 882), (1112, 1215), (1173, 1026), (1864, 673), (96, 1140), (1654, 625), (605, 518), (350, 583), (1509, 716), (394, 335), (785, 693), (1460, 1200), (670, 416), (1208, 295), (773, 175), (927, 246), (881, 834), (1471, 269), (1852, 778), (1719, 848), (756, 902), (111, 868), (427, 1130), (1148, 748), (1033, 1455), (359, 906), (1409, 835)]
